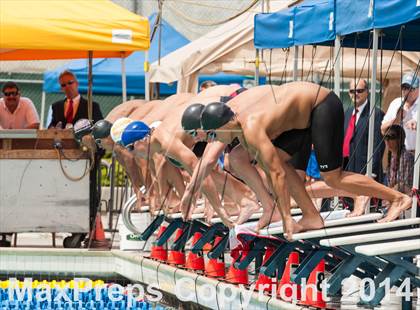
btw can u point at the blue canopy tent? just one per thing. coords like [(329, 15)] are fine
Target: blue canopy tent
[(389, 16), (319, 22), (318, 14), (309, 22), (274, 30), (107, 71), (396, 23)]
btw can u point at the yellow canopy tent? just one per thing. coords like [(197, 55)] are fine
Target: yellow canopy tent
[(64, 29), (61, 29)]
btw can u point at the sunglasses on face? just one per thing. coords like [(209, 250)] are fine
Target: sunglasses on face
[(211, 135), (11, 93), (357, 91), (67, 83), (193, 133), (404, 87)]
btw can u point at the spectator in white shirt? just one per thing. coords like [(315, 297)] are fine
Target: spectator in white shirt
[(405, 107), (17, 112)]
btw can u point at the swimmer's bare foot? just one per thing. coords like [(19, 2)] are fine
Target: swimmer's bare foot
[(311, 222), (290, 226), (360, 203), (173, 209), (139, 204), (174, 204), (268, 217), (246, 213), (229, 224), (396, 208), (208, 214), (225, 218), (199, 209), (231, 208), (190, 213)]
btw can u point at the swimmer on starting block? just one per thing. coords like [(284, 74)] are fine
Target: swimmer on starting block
[(274, 123)]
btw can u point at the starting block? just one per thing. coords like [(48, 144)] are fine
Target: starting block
[(398, 266), (357, 245), (369, 253), (175, 221)]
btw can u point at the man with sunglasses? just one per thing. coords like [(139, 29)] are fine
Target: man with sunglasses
[(16, 112), (65, 113), (403, 111), (74, 107), (356, 135), (276, 123)]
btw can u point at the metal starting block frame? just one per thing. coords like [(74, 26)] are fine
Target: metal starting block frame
[(386, 257)]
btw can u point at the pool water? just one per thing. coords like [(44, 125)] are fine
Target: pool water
[(66, 295)]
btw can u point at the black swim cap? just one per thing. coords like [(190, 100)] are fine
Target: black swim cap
[(215, 115), (191, 117), (101, 129)]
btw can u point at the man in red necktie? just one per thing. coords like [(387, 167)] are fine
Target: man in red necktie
[(67, 112), (356, 124)]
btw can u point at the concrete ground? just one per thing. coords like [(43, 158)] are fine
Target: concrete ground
[(45, 240)]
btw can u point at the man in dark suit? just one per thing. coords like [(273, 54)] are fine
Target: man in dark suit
[(74, 106), (356, 131), (65, 113)]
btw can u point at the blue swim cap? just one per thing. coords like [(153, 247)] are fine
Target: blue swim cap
[(135, 131)]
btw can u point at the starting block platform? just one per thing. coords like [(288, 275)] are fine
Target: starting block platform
[(346, 246)]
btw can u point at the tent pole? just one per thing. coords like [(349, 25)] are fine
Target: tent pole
[(41, 124), (123, 79), (146, 76), (90, 64), (257, 66), (372, 105), (337, 66), (257, 55), (157, 95), (295, 62), (337, 88), (416, 175), (160, 30)]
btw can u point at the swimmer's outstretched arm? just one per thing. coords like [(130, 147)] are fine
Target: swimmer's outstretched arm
[(201, 171), (177, 150), (127, 160)]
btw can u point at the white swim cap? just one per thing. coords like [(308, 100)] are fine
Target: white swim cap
[(118, 128), (155, 124)]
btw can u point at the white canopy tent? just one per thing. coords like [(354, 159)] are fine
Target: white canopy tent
[(230, 49)]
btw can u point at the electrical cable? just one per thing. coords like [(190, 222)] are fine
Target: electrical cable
[(270, 61), (311, 67), (87, 169)]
